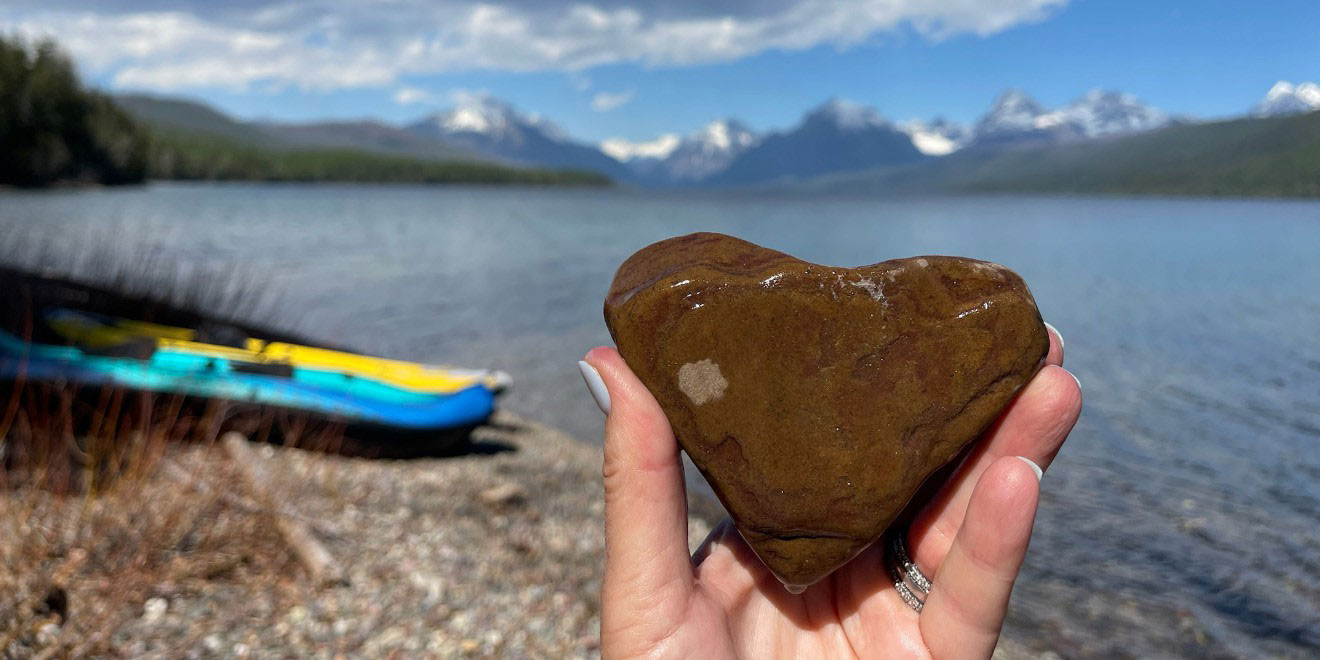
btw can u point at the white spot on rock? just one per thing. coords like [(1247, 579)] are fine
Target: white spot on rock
[(702, 381)]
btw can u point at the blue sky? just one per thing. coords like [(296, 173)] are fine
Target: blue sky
[(638, 69)]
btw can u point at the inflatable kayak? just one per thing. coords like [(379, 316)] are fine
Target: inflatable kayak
[(168, 370), (313, 365)]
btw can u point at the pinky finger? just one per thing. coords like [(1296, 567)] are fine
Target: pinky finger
[(969, 595)]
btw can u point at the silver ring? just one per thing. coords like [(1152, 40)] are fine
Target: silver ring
[(919, 579), (910, 583)]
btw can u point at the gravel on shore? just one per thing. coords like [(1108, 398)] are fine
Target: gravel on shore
[(497, 552)]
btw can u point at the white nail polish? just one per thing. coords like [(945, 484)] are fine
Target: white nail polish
[(1079, 383), (595, 385), (1056, 333), (1034, 468)]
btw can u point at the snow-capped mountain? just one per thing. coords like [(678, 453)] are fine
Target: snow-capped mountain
[(939, 137), (671, 159), (1286, 99), (709, 150), (838, 136), (1016, 117), (1099, 113), (494, 128)]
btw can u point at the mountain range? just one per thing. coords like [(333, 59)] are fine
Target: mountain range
[(835, 138), (1016, 118), (1250, 156), (689, 159)]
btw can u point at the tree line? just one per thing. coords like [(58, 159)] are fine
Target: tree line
[(52, 130)]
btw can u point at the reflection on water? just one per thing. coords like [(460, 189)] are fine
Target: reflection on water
[(1179, 519)]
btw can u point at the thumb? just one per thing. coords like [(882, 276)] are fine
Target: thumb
[(648, 572)]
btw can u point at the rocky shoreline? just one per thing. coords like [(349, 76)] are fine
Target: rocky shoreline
[(498, 552)]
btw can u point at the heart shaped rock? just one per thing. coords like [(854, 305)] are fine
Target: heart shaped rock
[(816, 400)]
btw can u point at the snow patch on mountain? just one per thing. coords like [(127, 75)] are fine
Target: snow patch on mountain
[(466, 120), (493, 119), (709, 150), (674, 159), (1099, 113), (940, 137), (1015, 116), (623, 151), (1284, 98), (723, 135), (479, 114), (494, 128)]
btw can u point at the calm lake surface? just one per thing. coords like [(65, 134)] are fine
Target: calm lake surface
[(1182, 517)]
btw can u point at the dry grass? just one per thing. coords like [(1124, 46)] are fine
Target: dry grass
[(110, 500), (494, 553)]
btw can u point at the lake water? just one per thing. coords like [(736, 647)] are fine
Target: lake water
[(1180, 518)]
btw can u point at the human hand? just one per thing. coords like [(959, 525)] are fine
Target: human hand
[(723, 603)]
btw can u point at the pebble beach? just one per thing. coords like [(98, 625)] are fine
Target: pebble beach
[(494, 553)]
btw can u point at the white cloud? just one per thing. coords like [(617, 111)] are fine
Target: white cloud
[(413, 95), (311, 44), (606, 101)]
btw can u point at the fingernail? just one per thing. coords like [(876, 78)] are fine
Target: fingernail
[(1056, 333), (1079, 383), (1034, 468), (595, 385)]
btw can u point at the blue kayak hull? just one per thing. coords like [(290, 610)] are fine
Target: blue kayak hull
[(351, 401)]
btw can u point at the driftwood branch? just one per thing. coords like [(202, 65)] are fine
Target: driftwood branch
[(176, 472), (322, 567)]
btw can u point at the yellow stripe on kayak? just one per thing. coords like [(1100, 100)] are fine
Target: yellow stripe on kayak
[(410, 375), (404, 374)]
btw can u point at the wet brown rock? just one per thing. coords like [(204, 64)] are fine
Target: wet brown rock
[(816, 400)]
